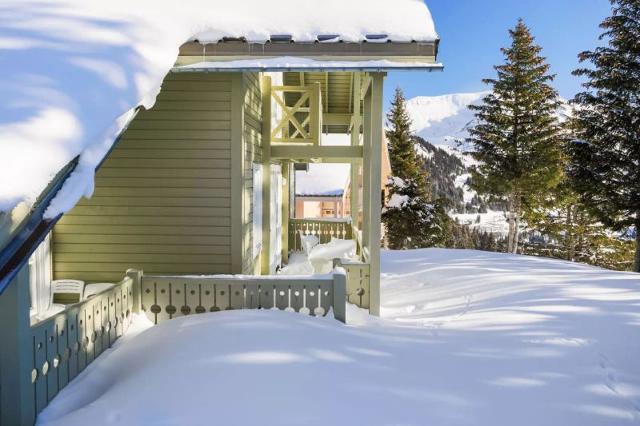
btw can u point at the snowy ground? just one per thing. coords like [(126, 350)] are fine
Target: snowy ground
[(469, 338)]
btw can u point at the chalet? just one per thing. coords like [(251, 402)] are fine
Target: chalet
[(192, 210)]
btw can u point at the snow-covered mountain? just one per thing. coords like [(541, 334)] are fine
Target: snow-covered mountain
[(443, 120)]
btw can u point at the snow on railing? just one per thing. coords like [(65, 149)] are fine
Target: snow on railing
[(41, 359), (167, 297), (324, 229), (358, 281)]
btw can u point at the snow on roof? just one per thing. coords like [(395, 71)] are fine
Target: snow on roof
[(288, 63), (325, 179), (73, 70)]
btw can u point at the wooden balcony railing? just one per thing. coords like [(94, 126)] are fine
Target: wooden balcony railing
[(167, 297), (64, 344), (301, 121), (60, 347), (324, 229)]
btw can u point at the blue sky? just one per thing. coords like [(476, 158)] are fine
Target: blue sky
[(472, 32)]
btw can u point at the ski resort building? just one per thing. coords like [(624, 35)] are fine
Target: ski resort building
[(192, 210)]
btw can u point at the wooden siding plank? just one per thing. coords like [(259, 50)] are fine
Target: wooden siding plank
[(64, 248), (185, 115), (179, 134), (168, 258), (181, 106), (95, 210), (156, 267), (129, 182), (163, 197), (158, 202), (197, 96), (143, 220), (179, 232), (219, 195), (146, 239)]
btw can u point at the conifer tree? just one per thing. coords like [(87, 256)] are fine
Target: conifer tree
[(516, 139), (605, 158), (410, 218)]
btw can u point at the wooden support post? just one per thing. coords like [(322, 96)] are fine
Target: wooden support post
[(17, 404), (265, 255), (238, 233), (340, 295), (375, 197), (355, 141), (286, 187), (366, 172), (136, 277)]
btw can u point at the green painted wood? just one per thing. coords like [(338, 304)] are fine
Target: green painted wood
[(169, 181), (323, 229), (266, 173), (55, 350), (237, 174), (357, 284), (168, 297), (373, 183), (253, 152), (17, 403)]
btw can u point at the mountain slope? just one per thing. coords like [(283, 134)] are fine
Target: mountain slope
[(443, 120)]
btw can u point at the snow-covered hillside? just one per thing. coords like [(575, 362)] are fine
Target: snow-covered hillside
[(444, 122), (467, 338)]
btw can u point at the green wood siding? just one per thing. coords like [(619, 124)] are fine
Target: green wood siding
[(253, 154), (162, 201)]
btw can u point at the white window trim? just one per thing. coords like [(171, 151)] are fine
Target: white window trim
[(40, 277)]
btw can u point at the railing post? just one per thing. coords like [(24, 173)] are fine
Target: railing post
[(136, 277), (340, 294), (17, 404)]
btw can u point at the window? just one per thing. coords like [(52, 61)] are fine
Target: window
[(40, 277)]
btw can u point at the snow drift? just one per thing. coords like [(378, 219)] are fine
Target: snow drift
[(468, 338)]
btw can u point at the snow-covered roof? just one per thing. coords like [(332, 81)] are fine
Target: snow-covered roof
[(73, 70), (299, 64)]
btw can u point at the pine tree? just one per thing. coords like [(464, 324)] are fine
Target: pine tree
[(410, 218), (605, 159), (516, 139)]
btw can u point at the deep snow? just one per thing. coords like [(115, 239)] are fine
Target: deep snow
[(468, 338)]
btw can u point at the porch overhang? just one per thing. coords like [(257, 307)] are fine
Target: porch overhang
[(290, 56)]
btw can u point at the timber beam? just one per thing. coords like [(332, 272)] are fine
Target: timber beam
[(321, 154)]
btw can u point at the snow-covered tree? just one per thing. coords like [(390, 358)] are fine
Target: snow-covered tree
[(605, 158), (516, 139), (411, 218)]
